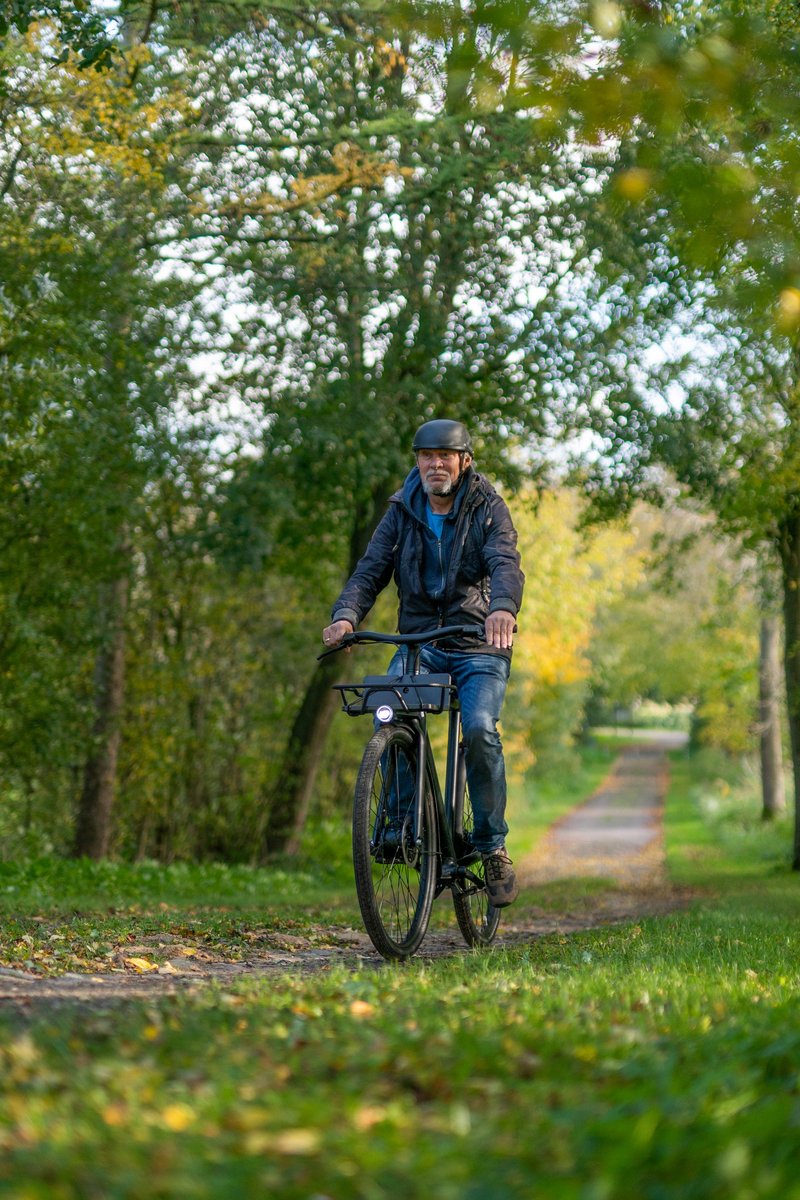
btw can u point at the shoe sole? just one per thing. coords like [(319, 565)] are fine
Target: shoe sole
[(501, 901)]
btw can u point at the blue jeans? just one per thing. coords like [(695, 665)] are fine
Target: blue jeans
[(481, 681)]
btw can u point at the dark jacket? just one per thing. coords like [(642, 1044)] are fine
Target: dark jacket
[(480, 566)]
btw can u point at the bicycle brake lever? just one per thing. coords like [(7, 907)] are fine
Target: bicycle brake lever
[(347, 641)]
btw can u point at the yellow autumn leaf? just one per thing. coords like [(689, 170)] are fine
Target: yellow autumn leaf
[(788, 315), (177, 1117), (142, 965), (115, 1115), (633, 184), (361, 1008)]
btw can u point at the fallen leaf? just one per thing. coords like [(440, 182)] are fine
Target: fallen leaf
[(361, 1008), (364, 1118), (142, 965), (177, 1117)]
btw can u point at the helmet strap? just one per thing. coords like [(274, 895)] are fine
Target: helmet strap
[(462, 469)]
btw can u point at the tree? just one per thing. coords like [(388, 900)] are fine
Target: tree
[(381, 284), (86, 350), (770, 741), (698, 112)]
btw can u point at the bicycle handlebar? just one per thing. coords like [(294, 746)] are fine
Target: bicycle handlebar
[(405, 639)]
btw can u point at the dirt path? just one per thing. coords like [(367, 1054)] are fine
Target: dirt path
[(616, 834)]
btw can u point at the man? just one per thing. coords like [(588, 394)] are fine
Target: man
[(449, 540)]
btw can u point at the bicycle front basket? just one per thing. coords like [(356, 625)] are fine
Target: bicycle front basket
[(403, 693)]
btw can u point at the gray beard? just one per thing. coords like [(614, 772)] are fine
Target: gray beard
[(437, 489)]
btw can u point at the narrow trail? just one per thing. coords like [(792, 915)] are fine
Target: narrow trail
[(616, 834)]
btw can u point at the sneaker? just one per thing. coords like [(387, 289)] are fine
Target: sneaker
[(501, 882)]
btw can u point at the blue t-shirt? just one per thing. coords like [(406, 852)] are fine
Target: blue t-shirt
[(435, 521)]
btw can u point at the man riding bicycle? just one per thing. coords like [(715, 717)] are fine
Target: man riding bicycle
[(450, 543)]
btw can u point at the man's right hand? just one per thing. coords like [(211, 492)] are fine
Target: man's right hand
[(332, 635)]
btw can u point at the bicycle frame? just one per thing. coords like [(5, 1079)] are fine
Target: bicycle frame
[(450, 803)]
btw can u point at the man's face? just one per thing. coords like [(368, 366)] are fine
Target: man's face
[(439, 470)]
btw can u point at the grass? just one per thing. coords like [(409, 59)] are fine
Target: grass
[(656, 1060), (57, 915)]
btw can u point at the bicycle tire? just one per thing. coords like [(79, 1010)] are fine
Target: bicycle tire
[(477, 918), (396, 891)]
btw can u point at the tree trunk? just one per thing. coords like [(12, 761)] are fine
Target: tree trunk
[(790, 561), (770, 746), (290, 800), (195, 772), (93, 822)]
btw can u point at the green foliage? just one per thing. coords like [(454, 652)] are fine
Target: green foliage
[(385, 291), (571, 575), (687, 632), (86, 341), (81, 29)]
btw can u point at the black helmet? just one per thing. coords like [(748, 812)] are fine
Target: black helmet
[(443, 435)]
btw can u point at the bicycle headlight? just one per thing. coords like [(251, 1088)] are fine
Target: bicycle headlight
[(384, 713)]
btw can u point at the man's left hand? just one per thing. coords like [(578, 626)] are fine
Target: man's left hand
[(499, 629)]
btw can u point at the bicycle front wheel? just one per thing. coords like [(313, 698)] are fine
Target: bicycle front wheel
[(395, 872), (477, 918)]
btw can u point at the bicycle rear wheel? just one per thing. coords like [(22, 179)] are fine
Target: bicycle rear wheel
[(477, 918), (395, 877)]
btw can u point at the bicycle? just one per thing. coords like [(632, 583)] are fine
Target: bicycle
[(411, 840)]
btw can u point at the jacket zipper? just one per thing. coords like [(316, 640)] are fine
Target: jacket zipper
[(462, 523)]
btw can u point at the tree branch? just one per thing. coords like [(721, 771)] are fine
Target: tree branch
[(242, 239), (395, 125), (11, 172)]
